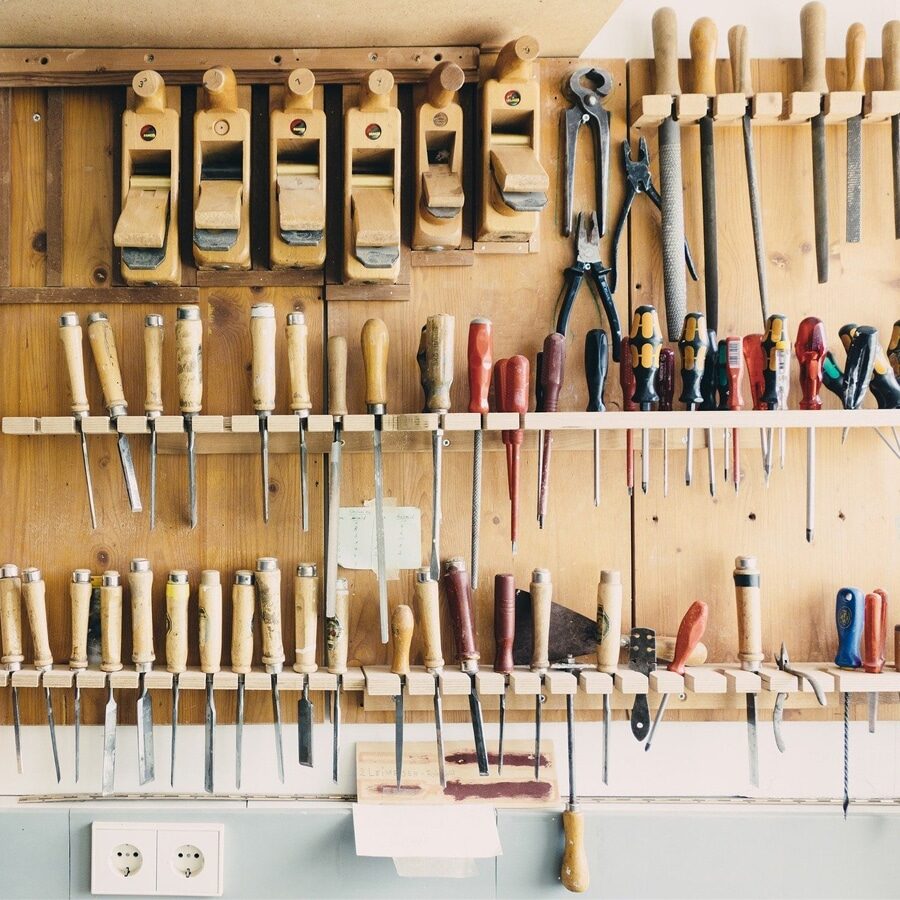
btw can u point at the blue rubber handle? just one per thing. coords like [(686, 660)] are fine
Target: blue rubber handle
[(850, 618)]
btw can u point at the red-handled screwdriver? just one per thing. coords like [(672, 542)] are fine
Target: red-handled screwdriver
[(754, 357), (553, 360), (626, 382), (512, 384), (480, 359), (810, 349)]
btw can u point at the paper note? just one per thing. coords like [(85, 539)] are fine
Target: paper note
[(402, 538)]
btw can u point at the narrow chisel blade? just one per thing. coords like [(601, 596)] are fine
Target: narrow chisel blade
[(264, 460), (477, 455), (17, 732), (606, 724), (276, 715), (895, 171), (131, 484), (751, 740), (478, 729), (146, 762), (379, 534), (87, 472), (873, 711), (820, 195), (304, 726), (192, 470), (51, 724), (239, 732), (336, 731), (854, 179), (109, 742), (175, 699), (153, 454), (304, 478), (209, 735), (334, 508), (439, 731), (77, 715)]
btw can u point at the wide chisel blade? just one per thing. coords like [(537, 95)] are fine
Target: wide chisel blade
[(146, 762), (437, 443), (131, 484), (209, 735), (398, 735), (752, 747), (109, 741), (477, 455), (192, 469), (304, 726), (820, 195), (439, 731)]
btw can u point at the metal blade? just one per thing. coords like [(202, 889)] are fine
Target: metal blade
[(51, 724), (538, 704), (777, 720), (153, 451), (109, 741), (239, 732), (477, 456), (304, 726), (570, 735), (597, 467), (304, 477), (146, 761), (895, 171), (87, 472), (77, 707), (264, 460), (334, 508), (379, 532), (175, 699), (854, 179), (606, 724), (873, 711), (759, 246), (398, 734), (437, 440), (820, 195), (131, 484), (657, 719), (336, 730), (502, 728), (478, 728), (276, 715), (439, 730), (710, 241), (192, 469), (209, 735), (751, 740), (674, 274)]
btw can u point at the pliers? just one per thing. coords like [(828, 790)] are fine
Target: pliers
[(587, 109), (784, 663), (587, 262), (638, 181)]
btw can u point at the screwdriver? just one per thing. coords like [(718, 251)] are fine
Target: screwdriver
[(298, 362), (337, 407), (609, 633), (750, 653), (80, 599), (596, 367), (708, 385), (626, 382), (375, 342), (210, 608), (11, 634), (140, 585), (504, 634), (189, 364), (665, 388), (337, 631), (480, 359), (849, 616), (723, 389), (306, 619), (731, 369), (70, 335), (178, 592), (401, 635), (553, 360), (153, 403), (111, 661), (810, 350), (874, 637), (541, 597), (776, 353), (262, 385), (425, 589), (754, 358), (268, 592), (645, 342), (692, 348), (511, 389), (242, 603)]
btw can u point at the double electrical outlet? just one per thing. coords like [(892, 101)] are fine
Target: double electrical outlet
[(161, 859)]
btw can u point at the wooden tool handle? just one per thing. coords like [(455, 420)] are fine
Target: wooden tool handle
[(153, 349), (103, 346), (457, 591), (665, 649), (337, 630), (704, 41), (243, 600), (375, 90), (262, 338), (890, 55), (551, 372), (897, 647), (504, 622), (516, 385), (268, 592), (437, 373), (375, 343), (189, 358), (689, 633), (110, 622), (140, 585), (541, 597), (298, 361), (874, 633), (337, 376), (150, 90), (402, 624), (884, 626), (221, 89), (306, 613), (299, 93), (739, 54), (856, 57), (11, 618), (210, 604), (178, 592), (514, 62), (746, 589), (33, 594), (445, 80), (80, 598), (575, 873), (425, 591), (609, 620), (665, 51), (70, 335), (480, 358), (812, 40)]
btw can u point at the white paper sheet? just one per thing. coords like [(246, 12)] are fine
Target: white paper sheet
[(402, 538)]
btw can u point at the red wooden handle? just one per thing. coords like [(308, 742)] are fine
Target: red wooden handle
[(884, 611), (552, 368), (874, 633), (626, 377), (480, 358), (504, 621), (810, 349), (458, 593), (689, 633)]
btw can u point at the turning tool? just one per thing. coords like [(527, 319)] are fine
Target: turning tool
[(210, 609), (541, 596), (189, 365), (693, 346), (336, 642), (262, 384), (243, 600), (708, 384), (11, 635), (80, 599), (627, 383), (645, 342), (856, 81), (504, 634), (298, 362), (511, 392), (458, 593), (337, 408), (810, 349), (849, 617), (268, 592), (574, 872), (641, 658), (874, 637), (596, 368), (480, 358), (306, 619), (665, 388), (111, 661), (375, 341), (552, 367), (153, 402), (428, 613), (784, 663), (749, 616), (140, 586), (609, 632), (731, 365), (401, 635), (103, 346), (178, 593), (890, 60)]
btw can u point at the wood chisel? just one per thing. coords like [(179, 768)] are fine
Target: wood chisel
[(306, 618), (890, 60), (849, 617), (574, 872), (480, 358), (70, 335), (140, 586), (189, 364), (153, 402), (103, 346), (11, 635), (856, 81), (552, 368), (596, 368), (749, 616), (375, 342), (80, 602), (337, 408), (644, 344), (609, 632), (178, 592), (209, 597), (337, 636), (504, 634), (810, 349), (298, 363), (401, 636), (665, 388), (262, 384), (428, 614), (111, 661), (268, 592), (458, 593), (243, 600), (874, 637), (541, 598)]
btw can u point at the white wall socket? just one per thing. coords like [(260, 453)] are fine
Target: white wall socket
[(123, 858)]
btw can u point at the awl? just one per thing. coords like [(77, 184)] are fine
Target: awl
[(849, 614), (306, 613), (749, 615), (140, 585), (209, 605), (428, 614)]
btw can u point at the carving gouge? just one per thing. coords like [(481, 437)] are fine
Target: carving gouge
[(80, 598), (749, 614), (504, 634), (178, 592), (856, 81), (111, 661), (336, 641), (140, 585), (242, 602), (596, 368), (890, 60), (268, 590), (849, 617), (189, 361), (874, 637), (11, 635), (541, 598), (337, 407), (210, 608), (262, 336), (306, 613), (103, 345), (153, 403), (429, 615), (401, 635), (609, 633), (480, 362), (296, 332)]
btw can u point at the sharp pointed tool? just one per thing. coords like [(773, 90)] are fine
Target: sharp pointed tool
[(306, 617), (428, 615), (177, 595), (401, 635), (140, 583), (849, 614), (189, 358), (210, 607)]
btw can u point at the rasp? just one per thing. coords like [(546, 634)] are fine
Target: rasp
[(856, 70)]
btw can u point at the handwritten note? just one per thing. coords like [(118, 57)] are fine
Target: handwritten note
[(402, 538)]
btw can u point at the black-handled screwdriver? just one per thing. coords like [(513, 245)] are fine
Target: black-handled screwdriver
[(692, 348), (708, 385), (596, 368), (645, 342)]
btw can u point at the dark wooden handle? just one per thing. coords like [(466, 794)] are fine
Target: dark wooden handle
[(516, 385), (437, 365), (457, 591), (504, 621), (873, 633), (553, 360), (689, 633), (480, 360)]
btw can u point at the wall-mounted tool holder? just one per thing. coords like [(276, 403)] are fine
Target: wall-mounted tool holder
[(297, 176), (147, 228), (221, 175)]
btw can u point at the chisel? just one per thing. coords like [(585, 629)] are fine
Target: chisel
[(749, 615), (874, 637), (11, 634), (856, 81), (553, 361), (140, 586), (268, 592), (103, 346), (596, 368), (665, 388), (458, 593), (401, 636), (375, 342), (178, 592), (480, 359), (189, 363), (242, 603), (609, 633), (80, 599), (153, 402), (504, 634), (645, 342), (428, 613), (210, 638), (337, 407), (262, 384), (849, 617), (336, 642), (890, 60), (111, 661), (70, 335), (541, 598), (810, 349), (298, 363), (306, 617)]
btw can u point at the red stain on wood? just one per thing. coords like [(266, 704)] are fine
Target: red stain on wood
[(498, 790)]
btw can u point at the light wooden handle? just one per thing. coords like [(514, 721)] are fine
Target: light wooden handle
[(704, 41), (34, 596), (812, 40), (375, 342), (150, 90), (268, 592), (428, 613), (890, 55), (11, 621), (665, 51), (110, 623), (746, 589), (80, 590), (402, 624), (665, 649), (298, 361), (306, 618), (437, 374), (541, 597), (210, 603), (189, 358), (897, 647), (574, 873), (262, 339), (140, 584), (243, 600), (514, 62), (299, 92), (856, 57), (221, 88), (177, 596), (337, 630), (153, 350), (445, 80), (70, 335), (103, 346), (609, 620), (337, 375), (739, 53), (375, 90)]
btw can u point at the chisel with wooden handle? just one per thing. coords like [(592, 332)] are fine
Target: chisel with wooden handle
[(243, 601), (541, 598), (337, 408), (268, 591), (178, 592), (401, 636), (337, 634), (609, 632), (189, 362), (750, 653), (428, 613), (856, 81), (298, 363), (111, 661), (480, 362), (153, 402), (11, 637), (140, 585), (306, 617), (890, 61), (504, 634), (262, 382), (210, 637), (80, 599)]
